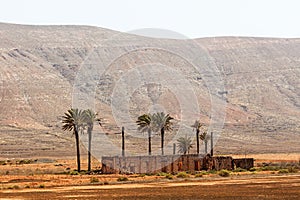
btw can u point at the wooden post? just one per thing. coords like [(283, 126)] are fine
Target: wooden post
[(123, 142), (211, 144), (174, 148)]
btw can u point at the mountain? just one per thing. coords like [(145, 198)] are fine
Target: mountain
[(46, 70)]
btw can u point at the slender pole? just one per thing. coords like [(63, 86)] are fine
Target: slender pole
[(197, 140), (123, 142), (211, 144), (174, 148)]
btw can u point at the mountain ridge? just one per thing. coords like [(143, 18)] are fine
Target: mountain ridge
[(39, 66)]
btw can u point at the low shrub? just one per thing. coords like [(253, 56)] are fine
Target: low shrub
[(224, 173), (94, 180), (198, 175), (182, 175), (13, 187), (252, 169), (74, 172), (122, 179), (141, 175), (169, 176), (283, 171), (239, 170), (212, 171), (161, 174), (42, 186), (270, 168), (293, 170)]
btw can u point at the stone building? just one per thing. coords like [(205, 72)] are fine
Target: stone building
[(171, 163)]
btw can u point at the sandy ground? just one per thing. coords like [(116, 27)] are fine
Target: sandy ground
[(48, 181), (271, 187)]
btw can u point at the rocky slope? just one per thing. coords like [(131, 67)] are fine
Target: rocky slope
[(40, 65)]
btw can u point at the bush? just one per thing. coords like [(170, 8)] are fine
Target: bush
[(169, 176), (293, 170), (42, 186), (270, 168), (94, 180), (74, 172), (142, 175), (122, 179), (224, 173), (14, 187), (161, 174), (182, 175), (27, 186), (198, 175), (239, 170), (212, 171), (252, 169), (283, 171)]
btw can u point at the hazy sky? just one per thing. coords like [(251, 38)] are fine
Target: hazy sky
[(193, 18)]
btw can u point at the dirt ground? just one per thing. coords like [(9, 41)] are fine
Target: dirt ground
[(272, 187), (50, 181)]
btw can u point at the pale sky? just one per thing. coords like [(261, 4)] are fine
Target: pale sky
[(192, 18)]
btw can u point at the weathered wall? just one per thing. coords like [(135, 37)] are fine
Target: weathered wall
[(244, 163), (171, 163)]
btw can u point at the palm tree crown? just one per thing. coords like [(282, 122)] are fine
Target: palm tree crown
[(184, 144), (162, 122), (73, 120)]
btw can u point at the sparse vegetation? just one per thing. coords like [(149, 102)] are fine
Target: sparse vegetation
[(283, 171), (252, 169), (224, 173), (74, 172), (182, 175), (239, 170), (120, 179), (169, 176), (94, 180)]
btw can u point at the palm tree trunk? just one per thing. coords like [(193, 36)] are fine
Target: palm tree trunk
[(89, 148), (197, 140), (205, 142), (162, 140), (149, 142), (123, 141), (77, 148)]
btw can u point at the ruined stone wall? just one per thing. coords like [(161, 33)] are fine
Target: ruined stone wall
[(244, 163), (168, 163)]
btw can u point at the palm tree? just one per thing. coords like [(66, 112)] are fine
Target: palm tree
[(197, 125), (162, 122), (73, 120), (204, 137), (89, 118), (144, 123), (184, 144)]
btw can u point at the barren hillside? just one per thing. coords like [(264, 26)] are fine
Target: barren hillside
[(40, 65)]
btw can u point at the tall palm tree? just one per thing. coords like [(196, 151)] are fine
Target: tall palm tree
[(184, 144), (144, 123), (197, 125), (204, 137), (162, 122), (73, 120), (89, 118)]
